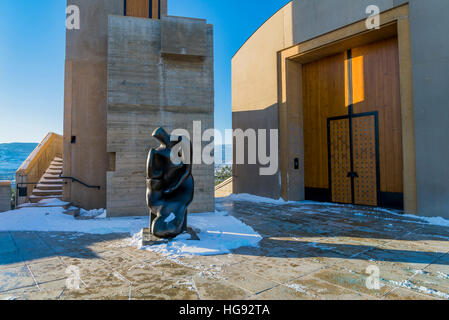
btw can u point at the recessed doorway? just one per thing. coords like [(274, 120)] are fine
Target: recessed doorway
[(353, 127)]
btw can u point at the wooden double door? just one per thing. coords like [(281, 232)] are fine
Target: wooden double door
[(353, 152), (353, 128)]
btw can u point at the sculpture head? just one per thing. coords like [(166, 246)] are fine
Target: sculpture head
[(165, 139)]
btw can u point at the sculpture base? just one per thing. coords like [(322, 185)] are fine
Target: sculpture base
[(193, 234), (149, 239)]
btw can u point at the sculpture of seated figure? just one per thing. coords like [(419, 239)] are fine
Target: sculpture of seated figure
[(170, 187)]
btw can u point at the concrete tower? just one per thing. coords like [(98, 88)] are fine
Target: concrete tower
[(129, 69)]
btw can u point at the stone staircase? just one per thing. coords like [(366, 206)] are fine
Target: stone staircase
[(50, 185)]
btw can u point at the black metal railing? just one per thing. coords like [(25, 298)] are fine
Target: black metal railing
[(80, 182)]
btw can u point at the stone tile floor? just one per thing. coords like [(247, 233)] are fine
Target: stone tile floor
[(308, 251)]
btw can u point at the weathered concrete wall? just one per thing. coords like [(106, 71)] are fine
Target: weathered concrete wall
[(85, 102), (255, 95), (146, 90), (429, 25), (5, 196), (183, 36)]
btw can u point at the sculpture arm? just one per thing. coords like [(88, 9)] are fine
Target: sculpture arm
[(181, 181), (151, 174)]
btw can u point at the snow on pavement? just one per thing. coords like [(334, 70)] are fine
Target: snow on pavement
[(255, 199), (219, 232), (52, 219), (53, 202), (437, 221)]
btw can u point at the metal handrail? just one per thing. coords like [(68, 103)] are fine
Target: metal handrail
[(80, 182)]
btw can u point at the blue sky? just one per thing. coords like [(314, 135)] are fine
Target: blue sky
[(32, 52)]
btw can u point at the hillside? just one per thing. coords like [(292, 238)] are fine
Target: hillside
[(12, 156)]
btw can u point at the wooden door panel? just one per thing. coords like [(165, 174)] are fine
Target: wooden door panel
[(340, 159), (155, 9), (365, 160), (335, 87), (378, 88), (323, 98), (138, 8)]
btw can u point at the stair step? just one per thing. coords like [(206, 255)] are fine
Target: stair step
[(50, 185), (53, 172), (51, 181), (36, 199), (39, 192), (51, 177), (42, 186), (55, 165)]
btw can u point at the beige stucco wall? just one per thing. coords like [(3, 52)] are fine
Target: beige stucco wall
[(148, 89), (254, 66), (255, 95), (85, 103)]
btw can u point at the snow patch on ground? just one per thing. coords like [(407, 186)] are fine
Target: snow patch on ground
[(421, 272), (409, 285), (297, 287), (219, 233), (255, 199), (53, 202), (437, 221), (52, 219), (94, 214)]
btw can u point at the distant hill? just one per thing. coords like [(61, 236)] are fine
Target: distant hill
[(12, 155)]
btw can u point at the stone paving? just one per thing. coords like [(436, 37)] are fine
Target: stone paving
[(308, 251)]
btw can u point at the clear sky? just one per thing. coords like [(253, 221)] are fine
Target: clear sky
[(32, 52)]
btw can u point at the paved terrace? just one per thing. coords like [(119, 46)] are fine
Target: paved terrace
[(307, 252)]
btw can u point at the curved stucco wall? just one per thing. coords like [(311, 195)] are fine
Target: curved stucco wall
[(255, 96), (254, 66)]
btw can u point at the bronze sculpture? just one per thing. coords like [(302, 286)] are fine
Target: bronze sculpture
[(170, 186)]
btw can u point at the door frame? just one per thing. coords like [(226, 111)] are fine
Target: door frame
[(350, 117), (394, 23)]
